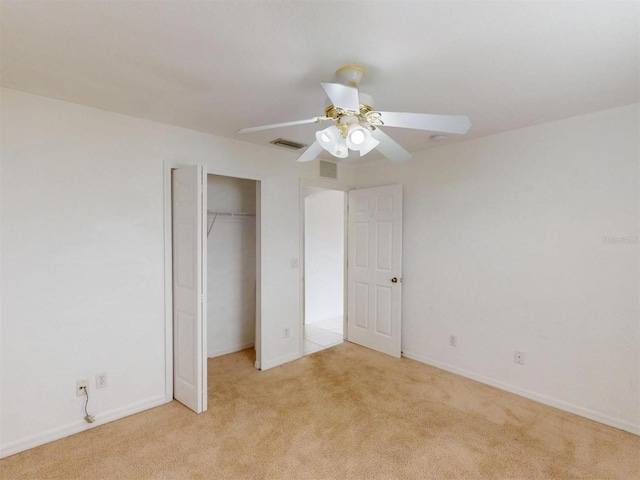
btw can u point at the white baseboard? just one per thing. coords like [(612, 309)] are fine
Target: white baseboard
[(552, 402), (280, 361), (79, 426), (234, 349)]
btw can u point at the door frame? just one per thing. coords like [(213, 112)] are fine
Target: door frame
[(326, 185), (168, 265)]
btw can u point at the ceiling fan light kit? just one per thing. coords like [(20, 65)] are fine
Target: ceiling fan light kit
[(357, 126), (360, 139), (332, 141)]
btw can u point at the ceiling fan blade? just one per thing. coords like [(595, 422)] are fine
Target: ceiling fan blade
[(310, 153), (342, 96), (424, 121), (389, 147), (285, 124)]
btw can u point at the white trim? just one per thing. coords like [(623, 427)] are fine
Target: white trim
[(79, 426), (280, 361), (234, 349), (258, 338), (325, 184), (203, 273), (550, 401), (168, 285)]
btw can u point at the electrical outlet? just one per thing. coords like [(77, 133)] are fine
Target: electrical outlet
[(80, 386), (453, 340), (518, 357), (101, 380), (285, 333)]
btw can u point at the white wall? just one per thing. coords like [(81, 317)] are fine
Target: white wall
[(231, 194), (83, 258), (324, 254), (505, 246), (231, 259)]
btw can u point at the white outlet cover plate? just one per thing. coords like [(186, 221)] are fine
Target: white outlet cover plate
[(101, 380), (79, 384)]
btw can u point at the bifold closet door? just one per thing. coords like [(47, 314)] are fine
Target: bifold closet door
[(189, 331)]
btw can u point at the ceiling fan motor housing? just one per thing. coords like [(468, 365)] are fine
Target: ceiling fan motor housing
[(366, 106), (350, 75)]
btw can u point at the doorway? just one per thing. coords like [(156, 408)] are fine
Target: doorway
[(324, 268)]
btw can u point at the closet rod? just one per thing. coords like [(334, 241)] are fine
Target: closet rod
[(225, 214)]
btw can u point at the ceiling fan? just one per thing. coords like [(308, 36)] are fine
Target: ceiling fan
[(356, 125)]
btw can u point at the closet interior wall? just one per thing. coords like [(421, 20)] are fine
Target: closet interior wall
[(231, 264)]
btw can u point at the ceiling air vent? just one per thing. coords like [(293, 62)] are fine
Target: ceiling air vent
[(290, 144), (328, 169)]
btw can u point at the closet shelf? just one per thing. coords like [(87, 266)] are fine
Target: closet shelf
[(230, 214)]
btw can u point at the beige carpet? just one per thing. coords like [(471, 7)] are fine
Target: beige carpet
[(341, 413)]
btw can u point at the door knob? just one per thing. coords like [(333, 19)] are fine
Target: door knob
[(394, 280)]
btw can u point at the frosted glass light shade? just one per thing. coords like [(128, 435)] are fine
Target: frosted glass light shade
[(328, 137), (355, 136), (331, 140), (360, 139)]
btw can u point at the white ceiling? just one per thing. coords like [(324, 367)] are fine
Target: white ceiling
[(220, 66)]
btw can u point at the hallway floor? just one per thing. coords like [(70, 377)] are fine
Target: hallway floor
[(323, 334)]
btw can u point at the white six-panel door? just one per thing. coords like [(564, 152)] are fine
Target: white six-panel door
[(375, 268), (189, 358)]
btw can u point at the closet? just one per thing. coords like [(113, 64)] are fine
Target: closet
[(231, 264)]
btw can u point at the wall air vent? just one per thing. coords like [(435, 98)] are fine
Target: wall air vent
[(328, 170), (290, 144)]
